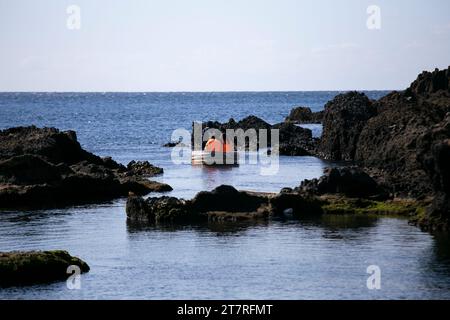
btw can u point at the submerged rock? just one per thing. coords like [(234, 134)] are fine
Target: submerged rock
[(47, 167), (26, 268), (304, 115)]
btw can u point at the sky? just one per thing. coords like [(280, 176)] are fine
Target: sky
[(220, 45)]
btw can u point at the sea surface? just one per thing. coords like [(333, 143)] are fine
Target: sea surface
[(323, 258)]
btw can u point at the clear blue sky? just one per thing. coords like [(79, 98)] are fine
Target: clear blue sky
[(219, 45)]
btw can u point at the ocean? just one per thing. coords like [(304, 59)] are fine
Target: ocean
[(323, 258)]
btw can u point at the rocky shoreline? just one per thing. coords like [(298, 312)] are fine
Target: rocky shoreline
[(339, 191), (397, 149), (45, 167), (399, 145)]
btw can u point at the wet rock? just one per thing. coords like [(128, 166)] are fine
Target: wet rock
[(295, 204), (304, 115), (349, 181), (227, 198), (224, 203), (344, 118), (48, 168), (161, 210), (26, 268), (294, 140)]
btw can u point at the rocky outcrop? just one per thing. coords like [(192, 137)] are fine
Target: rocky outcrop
[(294, 140), (304, 115), (339, 191), (344, 118), (222, 203), (26, 268), (434, 155), (348, 181), (143, 168), (46, 167), (400, 140)]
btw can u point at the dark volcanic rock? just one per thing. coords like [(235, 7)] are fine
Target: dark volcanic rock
[(295, 204), (26, 268), (433, 150), (431, 82), (160, 210), (294, 140), (46, 167), (301, 115), (223, 203), (345, 116), (143, 168), (382, 135), (50, 143), (227, 198), (388, 143), (350, 181)]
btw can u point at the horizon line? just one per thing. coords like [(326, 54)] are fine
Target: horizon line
[(220, 91)]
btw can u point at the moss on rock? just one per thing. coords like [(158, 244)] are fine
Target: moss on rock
[(25, 268)]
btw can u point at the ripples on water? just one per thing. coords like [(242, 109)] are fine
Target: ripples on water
[(311, 259)]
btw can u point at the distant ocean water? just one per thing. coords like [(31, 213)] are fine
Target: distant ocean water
[(325, 258)]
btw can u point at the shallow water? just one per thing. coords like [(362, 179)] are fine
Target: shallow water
[(312, 259)]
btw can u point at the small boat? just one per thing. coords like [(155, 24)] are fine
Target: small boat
[(215, 158)]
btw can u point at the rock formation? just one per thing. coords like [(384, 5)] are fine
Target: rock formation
[(294, 140), (345, 116), (26, 268), (46, 167), (401, 139), (304, 115)]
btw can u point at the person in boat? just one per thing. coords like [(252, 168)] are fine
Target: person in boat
[(226, 146), (213, 145)]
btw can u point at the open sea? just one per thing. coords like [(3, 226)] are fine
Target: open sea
[(323, 258)]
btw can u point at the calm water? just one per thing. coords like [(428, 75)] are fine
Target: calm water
[(324, 258)]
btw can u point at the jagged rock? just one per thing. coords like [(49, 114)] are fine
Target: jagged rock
[(143, 168), (227, 198), (222, 204), (433, 152), (381, 136), (296, 204), (349, 181), (26, 268), (161, 210), (431, 82), (303, 115), (345, 116), (47, 168), (294, 140), (388, 142)]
